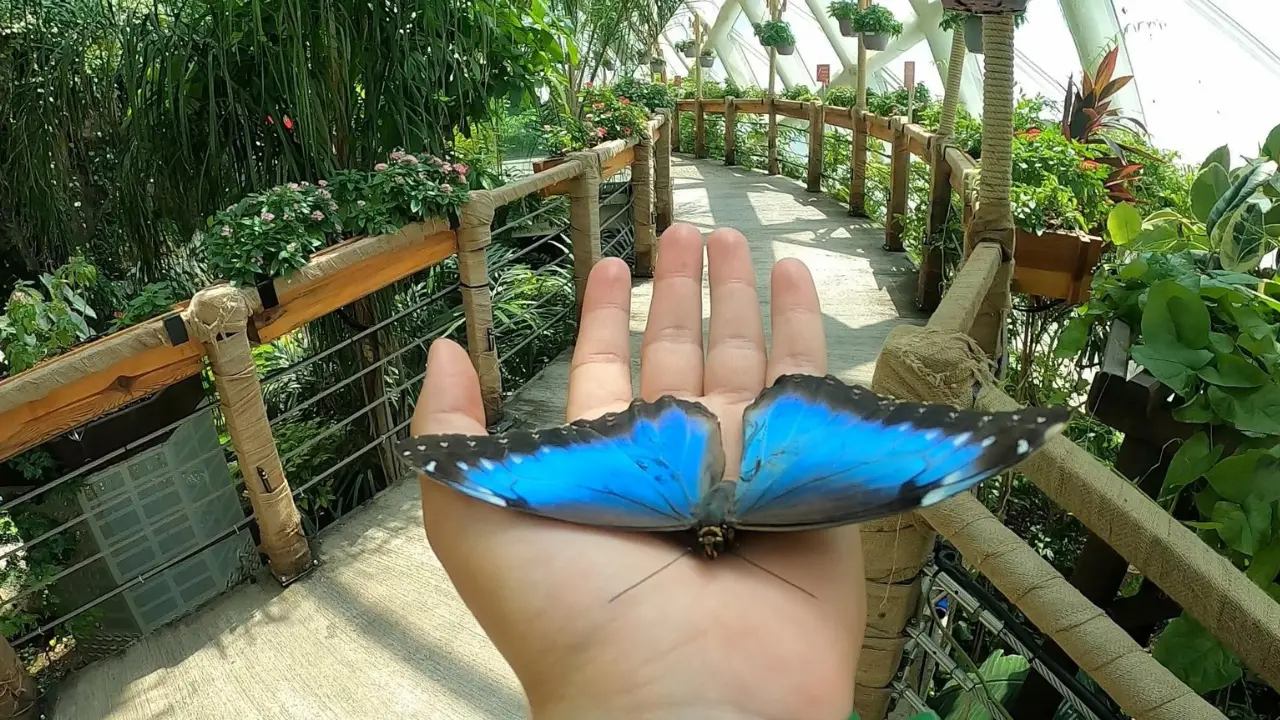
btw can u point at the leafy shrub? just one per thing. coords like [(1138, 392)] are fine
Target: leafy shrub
[(275, 231), (773, 33), (798, 92), (955, 20), (894, 102), (36, 326), (843, 9), (609, 116), (683, 46), (876, 20), (841, 97), (649, 95), (1058, 184), (152, 300)]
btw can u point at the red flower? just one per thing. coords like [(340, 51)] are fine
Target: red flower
[(1089, 165), (288, 123), (591, 85), (271, 120), (624, 101), (1033, 132)]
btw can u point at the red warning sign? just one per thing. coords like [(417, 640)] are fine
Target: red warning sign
[(824, 74)]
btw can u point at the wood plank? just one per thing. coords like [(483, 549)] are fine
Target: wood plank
[(76, 403), (837, 116), (878, 127), (918, 140), (793, 109), (751, 107), (308, 302), (713, 107), (684, 104), (612, 166)]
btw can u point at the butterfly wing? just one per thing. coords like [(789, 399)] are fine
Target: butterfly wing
[(642, 469), (819, 453)]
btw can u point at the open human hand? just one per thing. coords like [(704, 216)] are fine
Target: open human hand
[(704, 640)]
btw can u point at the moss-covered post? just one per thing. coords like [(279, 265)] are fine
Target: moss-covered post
[(475, 232), (993, 216), (730, 131), (584, 220), (929, 286), (817, 135), (662, 198), (219, 318), (900, 170), (771, 135), (642, 205)]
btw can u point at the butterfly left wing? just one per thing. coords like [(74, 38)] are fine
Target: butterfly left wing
[(819, 453), (642, 469)]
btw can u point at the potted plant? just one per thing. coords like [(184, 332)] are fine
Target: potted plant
[(876, 25), (708, 58), (971, 25), (607, 63), (844, 11), (777, 35), (657, 64), (686, 47)]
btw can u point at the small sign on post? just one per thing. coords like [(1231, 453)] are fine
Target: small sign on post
[(678, 81), (824, 75), (909, 80)]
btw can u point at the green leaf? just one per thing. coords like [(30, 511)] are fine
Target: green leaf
[(1205, 500), (1175, 316), (1221, 156), (1135, 269), (1124, 223), (1245, 528), (1241, 238), (1271, 148), (1234, 371), (1162, 236), (1246, 475), (1002, 677), (1265, 564), (1195, 656), (1177, 376), (1211, 184), (1215, 526), (1221, 343), (1074, 337), (1255, 410), (1196, 410), (1196, 456)]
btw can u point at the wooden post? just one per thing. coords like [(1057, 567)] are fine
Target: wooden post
[(898, 186), (929, 282), (662, 196), (909, 79), (584, 220), (675, 127), (699, 113), (219, 318), (642, 205), (817, 134), (20, 700), (858, 164), (772, 135), (475, 232), (730, 131)]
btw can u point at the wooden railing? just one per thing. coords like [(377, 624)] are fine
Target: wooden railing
[(1053, 265), (220, 325), (941, 363)]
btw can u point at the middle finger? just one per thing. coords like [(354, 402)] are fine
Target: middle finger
[(671, 356), (736, 356)]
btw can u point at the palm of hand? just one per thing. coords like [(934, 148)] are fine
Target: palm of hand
[(702, 639)]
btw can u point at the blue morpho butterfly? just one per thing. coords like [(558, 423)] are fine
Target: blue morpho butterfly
[(816, 454)]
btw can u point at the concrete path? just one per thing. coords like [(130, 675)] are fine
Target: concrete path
[(377, 631)]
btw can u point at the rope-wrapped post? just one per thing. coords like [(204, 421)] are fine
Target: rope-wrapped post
[(730, 131), (817, 126), (19, 699), (699, 129), (929, 284), (900, 170), (858, 164), (584, 221), (662, 199), (475, 232), (642, 205), (993, 217), (219, 318), (772, 136)]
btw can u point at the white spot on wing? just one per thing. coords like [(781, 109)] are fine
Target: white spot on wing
[(935, 495), (989, 441), (1023, 447), (407, 453), (961, 439), (430, 467), (486, 464), (517, 459), (461, 465)]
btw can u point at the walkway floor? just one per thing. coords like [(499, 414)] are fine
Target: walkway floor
[(377, 631)]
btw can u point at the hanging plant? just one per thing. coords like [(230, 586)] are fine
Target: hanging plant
[(686, 47), (657, 64), (844, 11), (777, 35), (876, 25), (708, 58), (971, 25)]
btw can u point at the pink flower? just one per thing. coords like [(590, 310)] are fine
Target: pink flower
[(447, 168), (461, 169), (446, 187), (397, 155), (601, 132), (624, 101), (598, 106), (317, 216), (436, 160), (591, 85), (379, 167), (409, 160), (295, 186), (268, 217), (627, 132), (323, 183), (226, 231)]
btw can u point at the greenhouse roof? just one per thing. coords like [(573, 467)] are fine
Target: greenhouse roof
[(1199, 65)]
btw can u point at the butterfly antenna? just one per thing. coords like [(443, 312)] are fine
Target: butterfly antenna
[(646, 578), (749, 561)]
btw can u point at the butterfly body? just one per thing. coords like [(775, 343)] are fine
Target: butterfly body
[(816, 454)]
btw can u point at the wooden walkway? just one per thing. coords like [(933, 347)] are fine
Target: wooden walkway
[(377, 631)]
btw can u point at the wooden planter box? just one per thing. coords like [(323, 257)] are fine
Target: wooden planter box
[(1056, 264), (547, 164)]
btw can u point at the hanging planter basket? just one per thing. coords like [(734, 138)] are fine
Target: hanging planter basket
[(607, 65), (690, 52), (846, 28), (875, 41), (707, 61), (656, 66), (973, 34), (985, 7), (785, 49)]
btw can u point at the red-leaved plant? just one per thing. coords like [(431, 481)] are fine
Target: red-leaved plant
[(1087, 112)]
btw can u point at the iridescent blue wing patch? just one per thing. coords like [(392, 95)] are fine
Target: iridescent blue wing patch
[(645, 468), (819, 453)]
